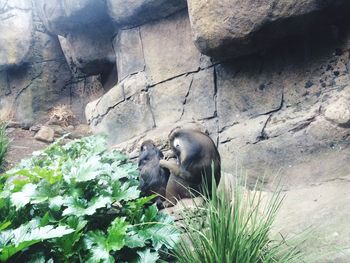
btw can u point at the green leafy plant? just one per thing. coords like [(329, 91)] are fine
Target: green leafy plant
[(79, 203), (234, 226), (4, 143)]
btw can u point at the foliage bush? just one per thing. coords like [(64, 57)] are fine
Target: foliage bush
[(79, 203), (4, 143), (234, 228)]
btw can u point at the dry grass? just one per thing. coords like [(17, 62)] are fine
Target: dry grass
[(7, 114), (62, 115)]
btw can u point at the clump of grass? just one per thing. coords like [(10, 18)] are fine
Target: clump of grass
[(4, 143), (235, 228)]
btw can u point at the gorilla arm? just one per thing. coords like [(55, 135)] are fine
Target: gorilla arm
[(176, 170)]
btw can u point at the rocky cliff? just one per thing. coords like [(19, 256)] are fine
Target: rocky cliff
[(269, 80)]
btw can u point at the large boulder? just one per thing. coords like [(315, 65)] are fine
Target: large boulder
[(159, 61), (90, 53), (164, 46), (34, 87), (62, 16), (234, 28), (85, 30), (40, 78), (294, 120), (16, 28), (131, 13)]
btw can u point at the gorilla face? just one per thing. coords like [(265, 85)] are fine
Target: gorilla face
[(149, 152)]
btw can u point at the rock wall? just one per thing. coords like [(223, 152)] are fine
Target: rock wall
[(35, 74), (282, 109), (269, 80), (273, 92)]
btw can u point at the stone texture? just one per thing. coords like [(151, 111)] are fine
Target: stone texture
[(98, 109), (247, 132), (109, 100), (234, 28), (82, 91), (295, 154), (247, 89), (199, 102), (284, 110), (295, 139), (129, 51), (38, 90), (131, 13), (91, 112), (83, 129), (62, 16), (164, 46), (45, 134), (169, 108), (322, 211), (16, 32), (38, 85), (168, 49), (29, 90), (126, 120), (90, 50), (338, 111)]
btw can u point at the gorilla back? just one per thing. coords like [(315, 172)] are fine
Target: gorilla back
[(197, 161), (197, 154), (153, 178)]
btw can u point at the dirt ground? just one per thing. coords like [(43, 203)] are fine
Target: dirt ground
[(22, 145)]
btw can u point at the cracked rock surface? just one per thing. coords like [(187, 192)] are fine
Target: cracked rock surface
[(268, 80)]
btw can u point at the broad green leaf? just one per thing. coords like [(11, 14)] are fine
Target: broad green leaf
[(100, 244), (116, 234), (15, 240), (146, 256), (49, 175), (67, 243), (80, 207), (17, 182), (93, 238), (20, 199), (76, 223), (118, 172), (131, 169), (44, 192), (134, 208), (42, 233), (125, 192), (56, 202), (81, 179), (88, 169), (96, 203), (75, 206), (39, 258), (133, 240), (160, 234), (99, 254), (96, 244), (150, 214), (114, 157), (10, 250), (4, 225)]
